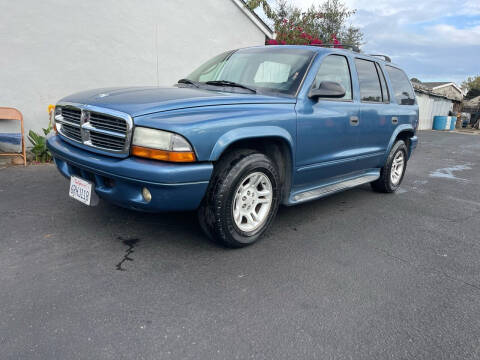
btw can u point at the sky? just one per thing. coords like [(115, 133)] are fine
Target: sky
[(433, 40)]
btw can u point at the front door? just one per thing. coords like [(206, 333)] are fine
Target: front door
[(326, 129)]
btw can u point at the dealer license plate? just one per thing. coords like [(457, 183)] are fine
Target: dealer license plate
[(81, 189)]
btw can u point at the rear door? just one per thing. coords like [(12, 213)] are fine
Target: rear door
[(405, 107), (376, 114)]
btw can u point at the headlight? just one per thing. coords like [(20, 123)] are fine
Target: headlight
[(57, 117), (57, 113), (161, 145)]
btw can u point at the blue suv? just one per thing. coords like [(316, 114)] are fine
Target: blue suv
[(247, 131)]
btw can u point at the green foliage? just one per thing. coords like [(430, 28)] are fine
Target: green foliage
[(472, 84), (325, 23), (271, 13), (39, 143), (473, 93)]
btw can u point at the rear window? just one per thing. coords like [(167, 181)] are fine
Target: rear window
[(370, 89), (402, 89)]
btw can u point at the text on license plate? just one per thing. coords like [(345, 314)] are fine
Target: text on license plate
[(80, 189)]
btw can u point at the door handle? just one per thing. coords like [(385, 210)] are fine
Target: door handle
[(354, 121), (394, 120)]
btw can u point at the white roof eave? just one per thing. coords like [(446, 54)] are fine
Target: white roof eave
[(260, 24), (445, 85)]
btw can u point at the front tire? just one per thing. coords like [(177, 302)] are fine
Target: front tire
[(242, 199), (392, 173)]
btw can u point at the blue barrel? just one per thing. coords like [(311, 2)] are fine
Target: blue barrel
[(453, 122), (442, 123)]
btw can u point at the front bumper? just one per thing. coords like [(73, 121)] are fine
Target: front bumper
[(120, 181)]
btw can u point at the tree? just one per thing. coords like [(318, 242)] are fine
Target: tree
[(472, 85), (415, 80), (322, 24)]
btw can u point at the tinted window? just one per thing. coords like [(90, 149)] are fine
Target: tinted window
[(370, 89), (383, 83), (402, 89), (335, 68)]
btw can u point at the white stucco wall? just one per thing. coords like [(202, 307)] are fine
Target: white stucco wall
[(51, 48)]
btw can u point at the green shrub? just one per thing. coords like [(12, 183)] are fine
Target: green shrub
[(39, 143)]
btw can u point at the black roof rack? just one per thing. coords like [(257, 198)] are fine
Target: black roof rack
[(385, 57), (350, 47)]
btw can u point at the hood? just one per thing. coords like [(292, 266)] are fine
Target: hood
[(137, 101)]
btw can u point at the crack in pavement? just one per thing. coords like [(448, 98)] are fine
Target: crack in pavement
[(131, 242)]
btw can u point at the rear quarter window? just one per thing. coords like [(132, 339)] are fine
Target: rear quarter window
[(402, 89)]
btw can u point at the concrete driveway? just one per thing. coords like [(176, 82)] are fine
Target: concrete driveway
[(358, 275)]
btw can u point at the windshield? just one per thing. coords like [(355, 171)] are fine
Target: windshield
[(263, 69)]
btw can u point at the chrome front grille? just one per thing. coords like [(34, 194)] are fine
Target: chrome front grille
[(106, 122), (72, 115), (106, 141), (102, 129), (72, 132)]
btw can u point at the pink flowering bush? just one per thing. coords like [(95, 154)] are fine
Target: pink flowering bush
[(323, 24), (291, 34)]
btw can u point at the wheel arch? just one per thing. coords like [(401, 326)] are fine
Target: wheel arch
[(275, 142), (402, 132)]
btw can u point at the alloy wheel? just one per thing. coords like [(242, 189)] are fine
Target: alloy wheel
[(252, 202)]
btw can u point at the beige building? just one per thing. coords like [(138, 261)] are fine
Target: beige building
[(448, 89)]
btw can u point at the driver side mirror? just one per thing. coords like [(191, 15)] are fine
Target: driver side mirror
[(327, 89)]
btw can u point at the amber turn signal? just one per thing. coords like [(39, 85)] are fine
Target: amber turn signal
[(163, 155)]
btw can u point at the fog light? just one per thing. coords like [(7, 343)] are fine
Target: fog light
[(146, 195)]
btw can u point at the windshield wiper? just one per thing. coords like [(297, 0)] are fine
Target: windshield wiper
[(188, 81), (229, 83)]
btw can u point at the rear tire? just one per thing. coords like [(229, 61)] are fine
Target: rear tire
[(242, 199), (392, 173)]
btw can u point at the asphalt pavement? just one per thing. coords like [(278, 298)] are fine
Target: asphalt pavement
[(358, 275)]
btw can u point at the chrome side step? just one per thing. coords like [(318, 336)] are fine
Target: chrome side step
[(333, 188)]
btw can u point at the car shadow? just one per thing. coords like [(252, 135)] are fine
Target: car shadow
[(174, 229), (301, 214), (181, 230)]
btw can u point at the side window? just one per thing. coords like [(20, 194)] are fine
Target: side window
[(335, 68), (383, 83), (370, 89), (401, 87)]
